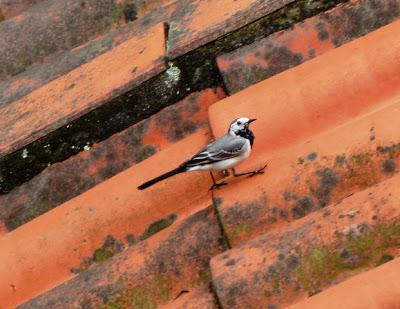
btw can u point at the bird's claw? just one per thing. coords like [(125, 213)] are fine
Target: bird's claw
[(258, 171), (217, 185)]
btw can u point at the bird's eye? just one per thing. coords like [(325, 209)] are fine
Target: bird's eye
[(239, 123)]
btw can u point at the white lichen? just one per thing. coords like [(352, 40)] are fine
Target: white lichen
[(24, 154), (173, 75)]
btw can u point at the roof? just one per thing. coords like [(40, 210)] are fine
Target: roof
[(123, 92)]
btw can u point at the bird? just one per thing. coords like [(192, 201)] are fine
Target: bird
[(220, 155)]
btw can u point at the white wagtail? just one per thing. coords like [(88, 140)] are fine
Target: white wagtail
[(222, 154)]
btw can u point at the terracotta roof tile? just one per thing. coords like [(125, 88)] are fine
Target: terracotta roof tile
[(203, 21), (105, 159), (306, 40), (323, 92), (311, 175), (51, 245), (66, 24), (324, 210), (309, 254), (75, 93), (149, 273), (375, 289), (58, 64)]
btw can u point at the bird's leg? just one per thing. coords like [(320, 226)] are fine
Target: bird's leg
[(252, 173), (215, 184)]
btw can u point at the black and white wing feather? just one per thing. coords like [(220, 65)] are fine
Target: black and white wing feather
[(226, 147)]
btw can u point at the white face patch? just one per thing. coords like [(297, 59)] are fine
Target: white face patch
[(238, 124)]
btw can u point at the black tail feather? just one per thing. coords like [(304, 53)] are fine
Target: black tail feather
[(151, 182)]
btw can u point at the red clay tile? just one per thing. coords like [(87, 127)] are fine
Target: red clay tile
[(311, 175), (323, 92), (76, 93), (200, 298), (199, 22), (61, 63), (306, 40), (309, 254), (11, 8), (151, 272), (51, 245), (374, 289), (62, 24), (106, 159)]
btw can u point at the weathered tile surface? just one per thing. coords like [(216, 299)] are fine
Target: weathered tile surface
[(57, 241), (306, 256), (380, 284), (306, 40), (76, 93), (61, 63), (311, 175), (345, 83), (199, 22), (66, 24), (152, 272), (105, 159)]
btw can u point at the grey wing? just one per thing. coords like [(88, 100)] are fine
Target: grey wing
[(224, 148)]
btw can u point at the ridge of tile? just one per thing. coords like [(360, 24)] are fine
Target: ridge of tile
[(54, 243), (307, 39), (58, 64), (341, 84), (310, 175), (62, 24), (311, 253), (375, 289), (203, 21), (105, 159), (74, 94), (149, 273)]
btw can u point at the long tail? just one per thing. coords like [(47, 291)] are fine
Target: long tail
[(151, 182)]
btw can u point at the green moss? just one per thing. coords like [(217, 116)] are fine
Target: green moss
[(143, 297), (384, 259), (21, 58), (113, 306), (159, 225), (117, 14), (320, 265), (240, 228), (101, 255), (204, 276)]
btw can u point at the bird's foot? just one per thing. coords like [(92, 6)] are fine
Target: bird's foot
[(258, 171), (217, 185)]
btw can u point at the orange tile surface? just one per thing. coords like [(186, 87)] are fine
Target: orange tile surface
[(264, 271), (328, 128), (204, 21), (376, 289), (312, 174), (81, 90), (105, 159), (49, 246), (342, 84), (307, 39), (149, 273)]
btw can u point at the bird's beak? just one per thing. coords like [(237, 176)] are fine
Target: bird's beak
[(251, 120)]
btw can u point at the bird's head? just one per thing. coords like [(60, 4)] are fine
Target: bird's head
[(239, 125)]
